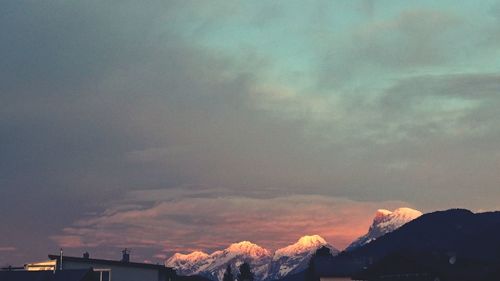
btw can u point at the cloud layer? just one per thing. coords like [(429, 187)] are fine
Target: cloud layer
[(267, 104), (158, 221)]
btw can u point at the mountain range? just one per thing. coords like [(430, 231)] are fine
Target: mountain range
[(214, 265), (286, 261), (265, 265)]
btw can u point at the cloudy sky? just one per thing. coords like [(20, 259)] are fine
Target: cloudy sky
[(184, 125)]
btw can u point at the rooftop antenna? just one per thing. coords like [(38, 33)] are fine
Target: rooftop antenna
[(125, 255)]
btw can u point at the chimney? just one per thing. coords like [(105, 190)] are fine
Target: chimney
[(61, 259), (125, 255), (86, 255)]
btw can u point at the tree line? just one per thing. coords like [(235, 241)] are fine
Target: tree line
[(245, 274)]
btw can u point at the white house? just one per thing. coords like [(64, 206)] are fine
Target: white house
[(108, 270)]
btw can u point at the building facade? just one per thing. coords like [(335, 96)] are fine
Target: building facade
[(108, 270)]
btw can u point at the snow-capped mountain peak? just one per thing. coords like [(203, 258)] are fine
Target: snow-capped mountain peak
[(192, 257), (304, 244), (407, 213), (311, 240), (290, 259), (294, 258), (384, 222), (247, 247), (214, 265), (381, 213), (187, 264)]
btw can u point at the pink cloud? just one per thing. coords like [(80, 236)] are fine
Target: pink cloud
[(69, 241), (188, 224)]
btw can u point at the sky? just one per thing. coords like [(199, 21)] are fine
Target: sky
[(179, 125)]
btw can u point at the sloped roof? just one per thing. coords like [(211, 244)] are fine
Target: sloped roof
[(111, 262)]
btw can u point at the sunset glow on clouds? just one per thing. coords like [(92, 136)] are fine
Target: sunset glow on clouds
[(209, 223), (7, 249)]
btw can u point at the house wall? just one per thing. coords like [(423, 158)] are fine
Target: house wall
[(41, 266), (118, 273)]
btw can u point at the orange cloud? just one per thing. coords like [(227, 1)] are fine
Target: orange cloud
[(187, 224), (7, 249)]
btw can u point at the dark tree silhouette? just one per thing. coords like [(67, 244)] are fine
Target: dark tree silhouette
[(311, 271), (228, 275), (323, 252), (245, 273)]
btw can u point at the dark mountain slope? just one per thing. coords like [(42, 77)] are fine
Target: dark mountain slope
[(456, 230), (455, 235)]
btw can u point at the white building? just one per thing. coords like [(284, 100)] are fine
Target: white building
[(41, 266), (109, 270)]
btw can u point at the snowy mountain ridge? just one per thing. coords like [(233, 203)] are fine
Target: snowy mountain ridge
[(295, 258), (284, 261), (305, 244), (214, 265), (384, 222), (265, 266)]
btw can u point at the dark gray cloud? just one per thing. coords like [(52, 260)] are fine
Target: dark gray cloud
[(112, 109), (98, 98)]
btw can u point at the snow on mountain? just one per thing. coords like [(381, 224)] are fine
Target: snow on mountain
[(189, 264), (294, 258), (384, 222), (290, 259), (214, 265), (305, 244), (236, 254)]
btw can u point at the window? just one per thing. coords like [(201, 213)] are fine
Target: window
[(104, 274)]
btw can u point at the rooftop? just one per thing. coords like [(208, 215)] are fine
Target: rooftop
[(111, 262)]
